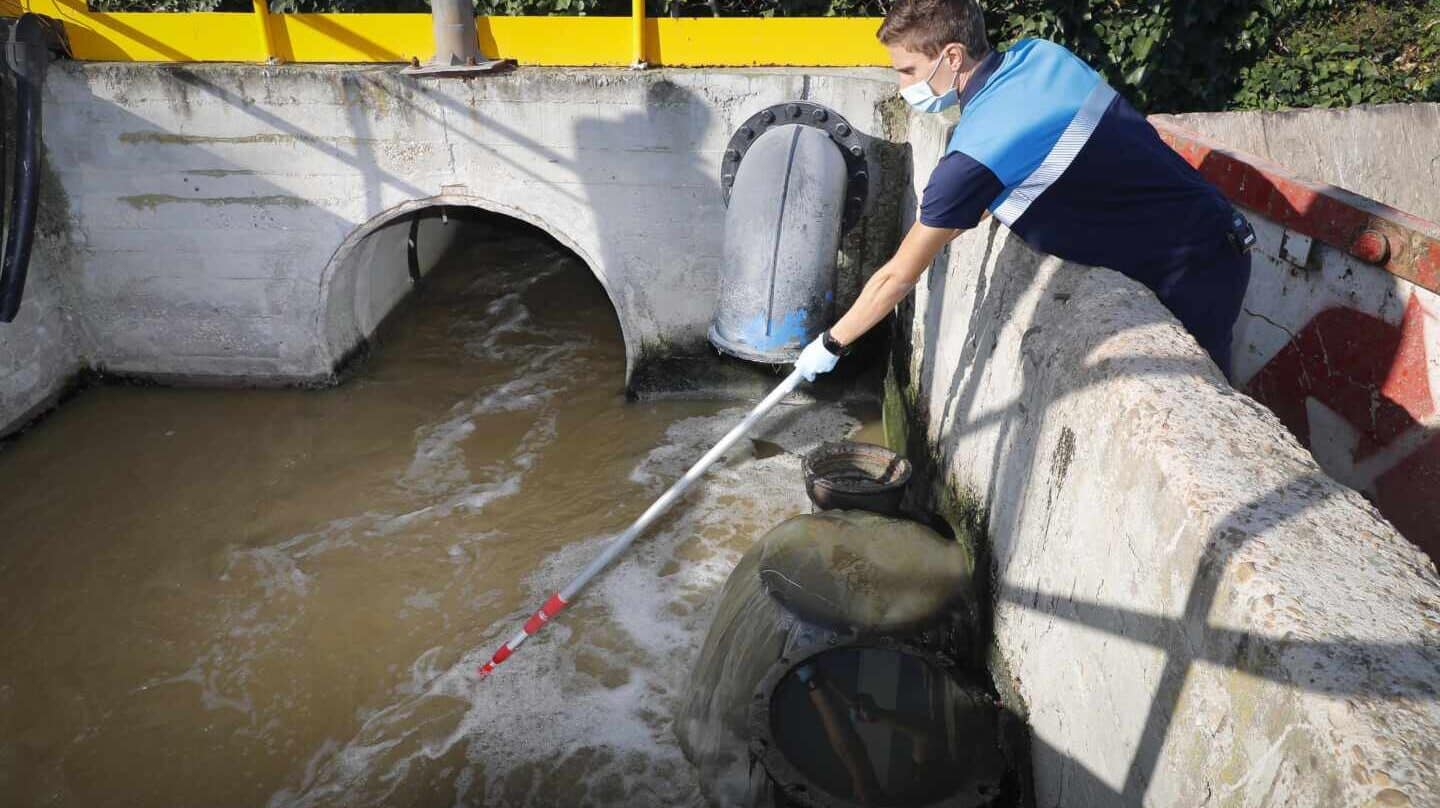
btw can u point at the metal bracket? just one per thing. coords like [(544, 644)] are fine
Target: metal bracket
[(446, 70), (806, 113), (1295, 248)]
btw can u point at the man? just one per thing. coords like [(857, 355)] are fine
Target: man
[(1050, 150)]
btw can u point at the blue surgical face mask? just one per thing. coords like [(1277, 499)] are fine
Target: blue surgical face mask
[(923, 98)]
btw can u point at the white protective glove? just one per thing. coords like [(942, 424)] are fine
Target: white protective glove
[(815, 359)]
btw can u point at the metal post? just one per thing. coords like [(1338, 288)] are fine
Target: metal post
[(262, 18), (637, 34), (453, 26), (457, 42)]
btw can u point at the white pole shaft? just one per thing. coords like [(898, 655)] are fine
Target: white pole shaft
[(623, 541), (617, 546)]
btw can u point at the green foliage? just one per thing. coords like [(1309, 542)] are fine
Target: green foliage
[(1184, 55), (1349, 54), (1164, 55)]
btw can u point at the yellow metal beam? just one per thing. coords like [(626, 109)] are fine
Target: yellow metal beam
[(785, 41), (613, 41), (637, 32), (262, 21)]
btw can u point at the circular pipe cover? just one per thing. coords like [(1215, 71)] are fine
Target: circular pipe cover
[(969, 773), (806, 113)]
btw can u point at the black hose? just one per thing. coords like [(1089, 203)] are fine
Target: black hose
[(26, 56)]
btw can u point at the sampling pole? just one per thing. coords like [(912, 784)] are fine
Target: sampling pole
[(618, 545)]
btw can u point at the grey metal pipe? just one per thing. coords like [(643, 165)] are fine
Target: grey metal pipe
[(457, 43), (782, 239), (453, 24)]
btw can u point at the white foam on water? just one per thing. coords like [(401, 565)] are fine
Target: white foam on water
[(596, 688)]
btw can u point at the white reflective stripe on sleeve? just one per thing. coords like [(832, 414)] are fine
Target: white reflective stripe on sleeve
[(1072, 140)]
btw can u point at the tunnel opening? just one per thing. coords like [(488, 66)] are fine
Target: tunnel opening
[(438, 248)]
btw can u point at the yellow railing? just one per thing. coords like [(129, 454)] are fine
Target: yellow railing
[(261, 36)]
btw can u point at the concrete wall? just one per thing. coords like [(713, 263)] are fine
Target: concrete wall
[(1191, 610), (1340, 334), (39, 351), (44, 348), (221, 207), (1349, 357), (1388, 152)]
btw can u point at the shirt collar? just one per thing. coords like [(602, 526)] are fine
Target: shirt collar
[(982, 74)]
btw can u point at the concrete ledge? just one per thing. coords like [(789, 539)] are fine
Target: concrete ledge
[(1398, 242), (1389, 152), (1192, 611)]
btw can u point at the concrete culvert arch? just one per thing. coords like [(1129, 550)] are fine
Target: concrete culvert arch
[(380, 263)]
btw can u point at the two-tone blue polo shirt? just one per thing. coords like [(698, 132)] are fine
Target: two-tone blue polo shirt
[(1053, 152)]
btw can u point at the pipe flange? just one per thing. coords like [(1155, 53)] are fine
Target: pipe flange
[(812, 642), (806, 113)]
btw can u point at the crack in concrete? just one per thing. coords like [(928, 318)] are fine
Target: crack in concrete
[(1257, 315)]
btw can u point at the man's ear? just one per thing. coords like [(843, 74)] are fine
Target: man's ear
[(956, 56)]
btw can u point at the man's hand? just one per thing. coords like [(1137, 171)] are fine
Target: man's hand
[(815, 360)]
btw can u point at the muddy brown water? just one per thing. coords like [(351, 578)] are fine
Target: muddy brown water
[(277, 598)]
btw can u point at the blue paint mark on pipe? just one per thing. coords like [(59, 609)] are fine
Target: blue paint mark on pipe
[(763, 335)]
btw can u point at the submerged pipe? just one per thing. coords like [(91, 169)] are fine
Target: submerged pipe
[(26, 56)]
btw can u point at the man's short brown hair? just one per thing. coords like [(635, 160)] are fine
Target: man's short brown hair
[(926, 26)]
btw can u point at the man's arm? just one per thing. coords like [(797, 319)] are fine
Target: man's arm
[(892, 282)]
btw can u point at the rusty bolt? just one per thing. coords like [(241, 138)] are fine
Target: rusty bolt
[(414, 61), (1372, 247)]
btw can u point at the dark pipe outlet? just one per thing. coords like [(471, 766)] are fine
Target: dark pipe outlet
[(856, 476), (26, 57)]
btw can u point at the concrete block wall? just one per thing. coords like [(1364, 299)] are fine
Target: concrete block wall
[(1191, 611), (221, 209), (1388, 152)]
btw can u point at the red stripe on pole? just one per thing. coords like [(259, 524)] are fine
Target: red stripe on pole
[(551, 608), (500, 656)]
